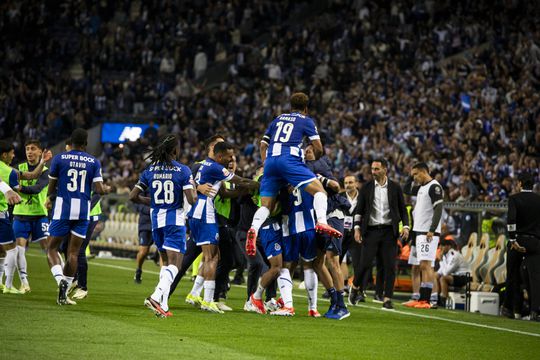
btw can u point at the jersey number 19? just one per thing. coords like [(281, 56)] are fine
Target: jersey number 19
[(286, 128)]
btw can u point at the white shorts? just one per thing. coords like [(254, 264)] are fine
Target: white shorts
[(426, 250), (413, 259)]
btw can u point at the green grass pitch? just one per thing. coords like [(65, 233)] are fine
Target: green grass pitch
[(112, 323)]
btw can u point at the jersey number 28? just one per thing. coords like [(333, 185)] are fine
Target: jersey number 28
[(165, 187)]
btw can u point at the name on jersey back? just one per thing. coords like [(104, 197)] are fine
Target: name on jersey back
[(287, 118)]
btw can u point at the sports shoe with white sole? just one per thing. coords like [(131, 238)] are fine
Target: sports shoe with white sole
[(211, 307), (285, 311), (328, 230), (258, 304), (25, 288), (155, 307), (194, 300), (251, 242), (79, 294)]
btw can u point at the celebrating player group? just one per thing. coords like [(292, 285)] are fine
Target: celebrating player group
[(294, 196)]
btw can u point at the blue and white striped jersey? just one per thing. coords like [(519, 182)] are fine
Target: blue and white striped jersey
[(75, 172), (298, 214), (213, 173), (286, 133), (166, 184)]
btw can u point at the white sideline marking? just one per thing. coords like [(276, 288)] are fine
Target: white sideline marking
[(362, 306)]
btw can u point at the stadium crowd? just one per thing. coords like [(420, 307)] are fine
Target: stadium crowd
[(396, 79)]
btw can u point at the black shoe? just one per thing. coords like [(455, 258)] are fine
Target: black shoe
[(62, 292), (346, 289), (534, 316), (238, 280), (326, 295), (506, 312), (442, 302), (388, 305), (362, 297), (138, 276), (353, 296), (378, 299)]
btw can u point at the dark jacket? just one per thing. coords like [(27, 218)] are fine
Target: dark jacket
[(398, 211)]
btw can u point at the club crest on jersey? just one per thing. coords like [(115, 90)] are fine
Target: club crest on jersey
[(277, 247)]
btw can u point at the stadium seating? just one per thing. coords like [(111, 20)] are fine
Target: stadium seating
[(495, 260), (480, 259), (120, 233), (468, 251)]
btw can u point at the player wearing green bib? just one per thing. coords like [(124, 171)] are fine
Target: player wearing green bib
[(30, 222), (11, 177)]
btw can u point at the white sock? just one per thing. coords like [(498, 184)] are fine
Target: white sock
[(312, 282), (10, 265), (259, 218), (2, 270), (285, 287), (320, 204), (209, 289), (197, 286), (21, 264), (163, 288), (158, 292), (69, 280), (57, 272), (259, 292)]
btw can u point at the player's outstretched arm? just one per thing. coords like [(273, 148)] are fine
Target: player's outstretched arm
[(11, 196), (135, 196), (264, 148), (329, 184), (317, 148), (34, 174), (245, 183), (101, 188), (51, 192)]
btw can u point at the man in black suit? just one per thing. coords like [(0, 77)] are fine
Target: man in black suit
[(524, 237), (379, 211)]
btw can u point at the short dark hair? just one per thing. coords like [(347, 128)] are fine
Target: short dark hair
[(6, 146), (223, 147), (526, 180), (212, 139), (33, 142), (79, 137), (421, 166), (383, 162), (299, 101)]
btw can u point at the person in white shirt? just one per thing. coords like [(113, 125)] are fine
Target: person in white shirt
[(380, 209), (453, 269)]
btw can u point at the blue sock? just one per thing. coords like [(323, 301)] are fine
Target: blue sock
[(333, 296), (340, 301)]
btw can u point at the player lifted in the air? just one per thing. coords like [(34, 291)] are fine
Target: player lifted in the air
[(284, 164)]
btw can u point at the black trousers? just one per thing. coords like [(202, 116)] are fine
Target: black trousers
[(226, 260), (256, 266), (355, 251), (82, 262), (532, 261), (380, 243), (514, 296)]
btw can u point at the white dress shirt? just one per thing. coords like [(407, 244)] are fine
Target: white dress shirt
[(380, 211)]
